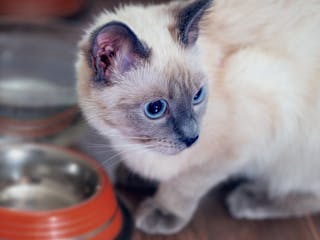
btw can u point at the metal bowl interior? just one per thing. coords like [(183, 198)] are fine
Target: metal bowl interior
[(36, 71), (40, 178)]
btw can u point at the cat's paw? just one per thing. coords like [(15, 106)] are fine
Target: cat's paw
[(153, 219), (246, 203)]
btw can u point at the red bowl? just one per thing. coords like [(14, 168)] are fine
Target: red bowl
[(97, 217), (34, 9), (39, 128)]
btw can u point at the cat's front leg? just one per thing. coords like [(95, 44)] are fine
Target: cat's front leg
[(175, 202), (154, 218), (252, 201)]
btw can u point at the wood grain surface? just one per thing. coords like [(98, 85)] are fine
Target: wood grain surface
[(212, 222)]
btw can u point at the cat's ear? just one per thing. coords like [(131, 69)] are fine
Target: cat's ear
[(188, 21), (115, 49)]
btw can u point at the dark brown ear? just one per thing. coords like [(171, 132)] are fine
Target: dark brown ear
[(188, 21), (115, 49)]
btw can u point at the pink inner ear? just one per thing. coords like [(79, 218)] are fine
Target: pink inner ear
[(111, 54), (105, 55), (115, 49)]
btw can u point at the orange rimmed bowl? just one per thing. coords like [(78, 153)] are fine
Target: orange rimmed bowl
[(49, 193)]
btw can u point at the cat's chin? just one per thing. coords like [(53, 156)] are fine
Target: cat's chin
[(169, 151)]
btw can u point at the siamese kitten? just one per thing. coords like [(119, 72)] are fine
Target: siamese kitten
[(193, 92)]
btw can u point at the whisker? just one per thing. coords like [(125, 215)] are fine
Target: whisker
[(135, 148)]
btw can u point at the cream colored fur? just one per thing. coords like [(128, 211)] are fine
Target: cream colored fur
[(263, 114)]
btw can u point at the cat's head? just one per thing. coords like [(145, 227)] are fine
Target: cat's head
[(139, 78)]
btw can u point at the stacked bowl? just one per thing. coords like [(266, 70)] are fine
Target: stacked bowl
[(37, 96), (48, 192)]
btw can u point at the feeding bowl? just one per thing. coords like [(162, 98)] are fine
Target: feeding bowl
[(37, 83), (52, 193)]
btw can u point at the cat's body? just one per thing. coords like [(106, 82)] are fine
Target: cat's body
[(261, 60)]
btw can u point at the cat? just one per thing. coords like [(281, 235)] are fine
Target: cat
[(193, 92)]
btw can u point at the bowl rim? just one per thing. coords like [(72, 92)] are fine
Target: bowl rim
[(45, 131), (39, 122), (41, 127)]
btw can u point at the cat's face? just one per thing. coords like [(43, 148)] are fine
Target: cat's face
[(160, 111), (129, 94)]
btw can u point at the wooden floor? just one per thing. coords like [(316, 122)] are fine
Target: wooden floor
[(212, 222)]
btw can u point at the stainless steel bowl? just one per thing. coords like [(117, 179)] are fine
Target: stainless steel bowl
[(41, 178), (37, 83), (37, 79)]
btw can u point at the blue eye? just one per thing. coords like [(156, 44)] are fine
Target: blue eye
[(199, 97), (155, 110)]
